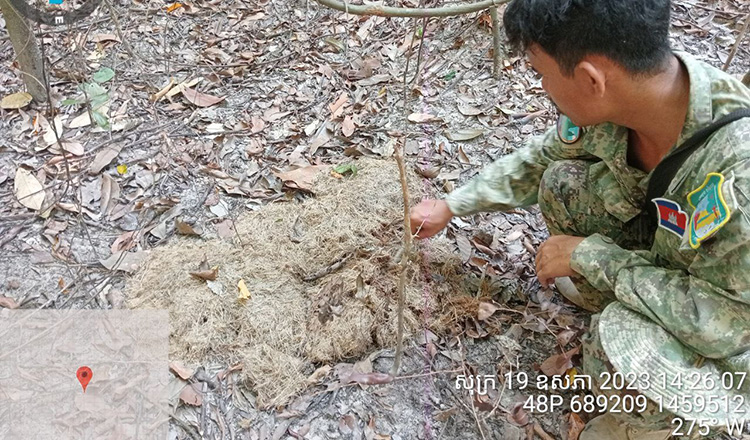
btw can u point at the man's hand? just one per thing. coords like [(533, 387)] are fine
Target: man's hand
[(553, 258), (429, 217)]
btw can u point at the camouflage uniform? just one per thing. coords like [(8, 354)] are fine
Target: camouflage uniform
[(701, 296)]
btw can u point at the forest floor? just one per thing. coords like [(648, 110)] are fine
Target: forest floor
[(202, 107)]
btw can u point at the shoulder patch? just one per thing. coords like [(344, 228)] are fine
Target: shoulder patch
[(671, 216), (567, 131), (711, 210)]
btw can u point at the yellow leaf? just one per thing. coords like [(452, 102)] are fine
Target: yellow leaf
[(571, 374), (244, 293), (122, 169), (173, 7), (16, 100)]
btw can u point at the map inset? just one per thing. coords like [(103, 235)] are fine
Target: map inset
[(47, 355)]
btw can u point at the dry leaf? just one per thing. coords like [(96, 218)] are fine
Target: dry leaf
[(190, 396), (182, 371), (160, 94), (468, 110), (575, 426), (464, 134), (125, 261), (74, 148), (110, 193), (200, 99), (462, 157), (464, 247), (124, 242), (518, 415), (244, 293), (210, 275), (82, 120), (428, 172), (559, 363), (179, 88), (49, 137), (101, 38), (173, 7), (301, 178), (15, 101), (186, 229), (421, 118), (224, 229), (321, 139), (338, 107), (347, 127), (486, 310), (258, 124), (103, 158), (375, 79), (370, 378), (29, 192), (8, 302), (318, 374)]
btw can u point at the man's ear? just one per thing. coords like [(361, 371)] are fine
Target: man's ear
[(593, 76)]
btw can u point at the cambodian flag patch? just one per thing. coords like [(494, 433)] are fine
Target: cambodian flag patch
[(671, 217)]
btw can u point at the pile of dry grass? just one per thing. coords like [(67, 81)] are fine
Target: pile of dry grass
[(288, 324)]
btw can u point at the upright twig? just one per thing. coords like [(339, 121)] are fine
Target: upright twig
[(737, 42), (406, 254), (405, 260), (495, 42), (419, 51)]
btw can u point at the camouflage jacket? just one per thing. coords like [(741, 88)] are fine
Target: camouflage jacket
[(699, 294)]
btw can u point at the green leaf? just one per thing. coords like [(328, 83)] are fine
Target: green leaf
[(100, 119), (450, 75), (93, 89), (98, 101), (72, 102), (343, 169), (104, 74)]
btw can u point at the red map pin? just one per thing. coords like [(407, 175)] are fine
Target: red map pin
[(84, 376)]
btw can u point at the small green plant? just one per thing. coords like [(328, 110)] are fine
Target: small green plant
[(95, 95)]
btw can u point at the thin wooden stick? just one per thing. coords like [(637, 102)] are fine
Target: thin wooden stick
[(737, 43), (405, 259), (388, 11), (495, 42)]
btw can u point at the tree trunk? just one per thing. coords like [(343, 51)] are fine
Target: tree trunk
[(28, 55)]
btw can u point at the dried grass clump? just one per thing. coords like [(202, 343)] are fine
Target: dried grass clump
[(288, 324)]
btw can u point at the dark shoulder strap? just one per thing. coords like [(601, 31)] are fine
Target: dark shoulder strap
[(665, 171)]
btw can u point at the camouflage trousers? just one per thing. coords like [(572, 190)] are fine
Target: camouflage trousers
[(570, 208)]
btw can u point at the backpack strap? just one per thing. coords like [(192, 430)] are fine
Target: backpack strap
[(665, 171)]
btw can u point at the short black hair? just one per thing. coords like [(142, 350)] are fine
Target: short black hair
[(633, 33)]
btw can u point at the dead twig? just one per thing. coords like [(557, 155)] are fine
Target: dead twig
[(495, 42), (388, 11), (405, 260), (737, 43), (336, 265)]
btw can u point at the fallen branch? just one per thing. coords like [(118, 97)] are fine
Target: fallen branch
[(389, 11), (333, 267), (737, 42)]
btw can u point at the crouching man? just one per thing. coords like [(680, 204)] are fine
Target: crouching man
[(645, 188)]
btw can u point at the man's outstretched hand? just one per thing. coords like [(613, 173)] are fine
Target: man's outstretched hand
[(553, 258), (429, 217)]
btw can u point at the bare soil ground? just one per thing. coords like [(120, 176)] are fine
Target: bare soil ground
[(276, 86)]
